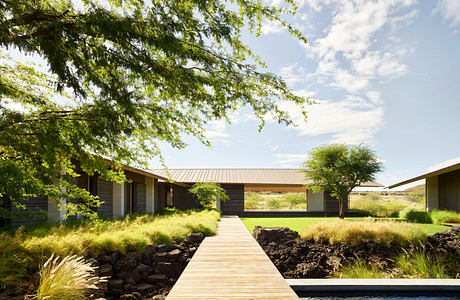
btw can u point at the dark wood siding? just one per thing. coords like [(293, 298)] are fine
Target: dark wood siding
[(183, 199), (105, 192), (449, 191), (141, 197), (235, 203), (134, 177), (331, 204), (35, 212), (161, 200)]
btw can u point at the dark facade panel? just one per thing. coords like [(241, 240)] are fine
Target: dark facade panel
[(331, 204), (182, 199), (449, 191), (235, 203), (105, 192), (35, 212), (141, 197)]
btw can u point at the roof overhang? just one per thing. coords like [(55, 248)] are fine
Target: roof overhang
[(430, 174)]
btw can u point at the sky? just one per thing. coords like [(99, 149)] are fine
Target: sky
[(385, 74)]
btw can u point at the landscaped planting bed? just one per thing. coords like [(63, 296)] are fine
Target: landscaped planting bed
[(141, 255), (376, 249)]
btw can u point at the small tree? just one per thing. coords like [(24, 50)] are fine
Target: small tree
[(294, 199), (338, 168), (207, 193)]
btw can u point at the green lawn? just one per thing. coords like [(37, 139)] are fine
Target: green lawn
[(300, 223)]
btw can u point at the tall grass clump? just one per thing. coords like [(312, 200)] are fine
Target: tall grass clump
[(21, 253), (416, 216), (68, 278), (417, 263), (444, 216), (356, 232), (412, 263)]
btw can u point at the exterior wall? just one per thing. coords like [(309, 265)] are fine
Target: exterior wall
[(315, 201), (431, 193), (36, 212), (449, 191), (331, 204), (235, 203), (118, 200), (140, 197), (150, 195), (163, 187), (182, 199), (105, 192), (54, 213)]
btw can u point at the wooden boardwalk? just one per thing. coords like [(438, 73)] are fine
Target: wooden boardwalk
[(231, 265)]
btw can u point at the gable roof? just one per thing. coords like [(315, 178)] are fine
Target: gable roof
[(242, 176), (429, 174)]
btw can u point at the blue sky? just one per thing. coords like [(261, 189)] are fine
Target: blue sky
[(385, 73)]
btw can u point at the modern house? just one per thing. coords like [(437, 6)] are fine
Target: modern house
[(238, 181), (442, 188), (138, 195)]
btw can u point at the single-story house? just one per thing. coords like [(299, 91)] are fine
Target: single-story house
[(442, 188), (138, 195), (238, 181)]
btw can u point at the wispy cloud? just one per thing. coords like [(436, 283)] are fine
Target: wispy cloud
[(450, 11), (345, 120), (348, 58), (215, 131), (292, 160), (444, 164)]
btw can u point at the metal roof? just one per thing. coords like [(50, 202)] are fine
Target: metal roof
[(430, 174), (241, 176)]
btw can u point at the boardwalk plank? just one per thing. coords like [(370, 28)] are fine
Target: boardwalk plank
[(231, 265)]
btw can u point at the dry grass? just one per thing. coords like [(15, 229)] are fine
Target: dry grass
[(363, 231), (69, 278)]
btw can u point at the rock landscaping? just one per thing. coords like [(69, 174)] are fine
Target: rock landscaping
[(298, 258), (135, 275)]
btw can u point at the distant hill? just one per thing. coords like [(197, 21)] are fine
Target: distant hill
[(418, 188)]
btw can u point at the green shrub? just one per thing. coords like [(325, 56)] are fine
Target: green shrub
[(363, 212), (360, 269), (377, 207), (294, 199), (416, 216), (444, 216), (253, 200), (207, 193), (69, 278), (273, 203), (356, 232)]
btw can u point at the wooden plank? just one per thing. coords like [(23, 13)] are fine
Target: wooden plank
[(231, 265)]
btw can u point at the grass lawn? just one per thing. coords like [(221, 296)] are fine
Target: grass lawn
[(300, 223)]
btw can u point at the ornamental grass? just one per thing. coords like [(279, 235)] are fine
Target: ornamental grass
[(356, 232)]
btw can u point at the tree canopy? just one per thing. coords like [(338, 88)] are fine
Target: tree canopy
[(122, 76), (207, 193), (339, 168)]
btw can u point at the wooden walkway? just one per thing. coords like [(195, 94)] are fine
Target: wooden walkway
[(231, 265)]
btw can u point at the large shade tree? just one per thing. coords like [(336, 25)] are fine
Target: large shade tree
[(339, 168), (120, 77)]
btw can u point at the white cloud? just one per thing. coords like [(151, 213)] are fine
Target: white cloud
[(450, 11), (290, 159), (216, 131), (348, 121), (345, 53), (444, 164), (271, 27)]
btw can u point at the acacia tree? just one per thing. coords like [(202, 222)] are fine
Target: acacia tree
[(123, 76), (339, 168)]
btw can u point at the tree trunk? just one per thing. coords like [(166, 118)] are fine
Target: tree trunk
[(341, 215)]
